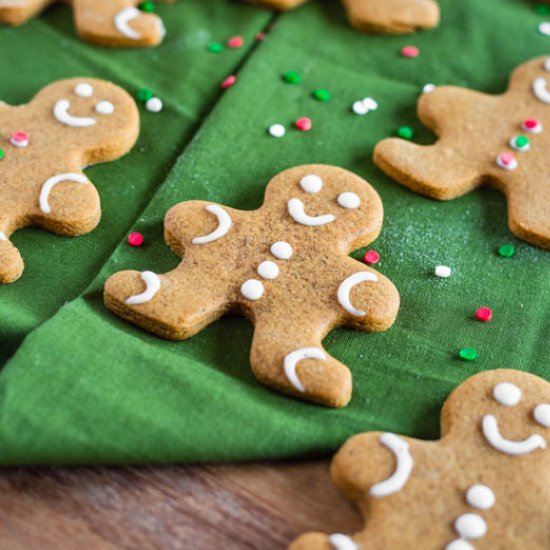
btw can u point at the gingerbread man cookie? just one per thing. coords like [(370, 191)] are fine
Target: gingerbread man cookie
[(484, 485), (384, 16), (69, 125), (500, 141), (284, 266), (104, 22)]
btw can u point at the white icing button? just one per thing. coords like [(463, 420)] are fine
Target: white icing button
[(481, 497), (84, 90), (252, 289), (277, 130), (342, 542), (428, 88), (105, 108), (507, 394), (443, 271), (544, 28), (470, 526), (154, 105), (542, 414), (268, 270), (459, 544), (281, 250), (349, 200), (507, 161), (311, 183)]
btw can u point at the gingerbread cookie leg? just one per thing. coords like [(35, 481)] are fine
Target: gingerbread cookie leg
[(11, 262), (117, 23), (392, 16), (17, 12)]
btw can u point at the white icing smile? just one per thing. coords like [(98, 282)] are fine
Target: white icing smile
[(495, 439), (540, 89), (292, 360), (403, 469), (296, 209), (347, 285), (224, 225), (61, 113), (152, 283)]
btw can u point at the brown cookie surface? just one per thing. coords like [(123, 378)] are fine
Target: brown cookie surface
[(384, 16), (285, 266), (483, 485), (69, 125), (501, 141), (104, 22)]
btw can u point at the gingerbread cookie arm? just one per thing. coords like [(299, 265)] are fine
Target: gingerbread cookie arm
[(17, 12), (392, 16), (11, 262), (287, 354), (117, 23)]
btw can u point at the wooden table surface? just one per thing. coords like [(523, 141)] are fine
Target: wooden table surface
[(252, 506)]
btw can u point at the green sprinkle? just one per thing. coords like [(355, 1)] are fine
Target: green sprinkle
[(506, 250), (292, 77), (149, 7), (405, 132), (468, 354), (321, 95), (1, 154), (521, 142), (216, 47), (144, 95), (542, 9)]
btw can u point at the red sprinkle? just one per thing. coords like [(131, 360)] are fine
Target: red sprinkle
[(304, 124), (530, 124), (484, 314), (228, 82), (235, 42), (135, 239), (19, 138), (410, 51), (371, 257)]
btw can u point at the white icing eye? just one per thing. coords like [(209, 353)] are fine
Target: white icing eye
[(105, 108), (281, 250), (480, 496), (470, 526), (268, 270), (349, 200), (84, 90), (311, 183), (542, 414), (507, 394)]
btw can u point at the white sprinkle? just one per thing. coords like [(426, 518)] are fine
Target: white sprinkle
[(428, 88), (277, 130), (370, 103), (154, 105), (363, 106), (544, 28), (443, 271)]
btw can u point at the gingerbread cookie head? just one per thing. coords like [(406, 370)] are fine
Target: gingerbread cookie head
[(484, 483), (285, 266), (69, 125), (104, 22), (484, 140)]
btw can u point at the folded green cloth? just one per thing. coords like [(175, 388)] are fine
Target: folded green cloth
[(86, 387)]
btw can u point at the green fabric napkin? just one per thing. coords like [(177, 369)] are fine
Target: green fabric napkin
[(87, 387)]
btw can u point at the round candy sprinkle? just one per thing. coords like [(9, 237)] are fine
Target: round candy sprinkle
[(148, 7), (544, 28), (484, 314), (531, 125), (468, 354), (520, 143), (304, 124), (443, 271), (507, 161), (359, 108), (19, 139), (405, 132), (235, 42), (216, 47), (277, 130), (135, 239), (428, 88), (506, 250), (228, 82), (321, 95), (291, 77), (372, 257), (144, 95), (410, 51), (154, 105), (1, 154)]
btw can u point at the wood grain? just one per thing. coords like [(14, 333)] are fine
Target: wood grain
[(254, 506)]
